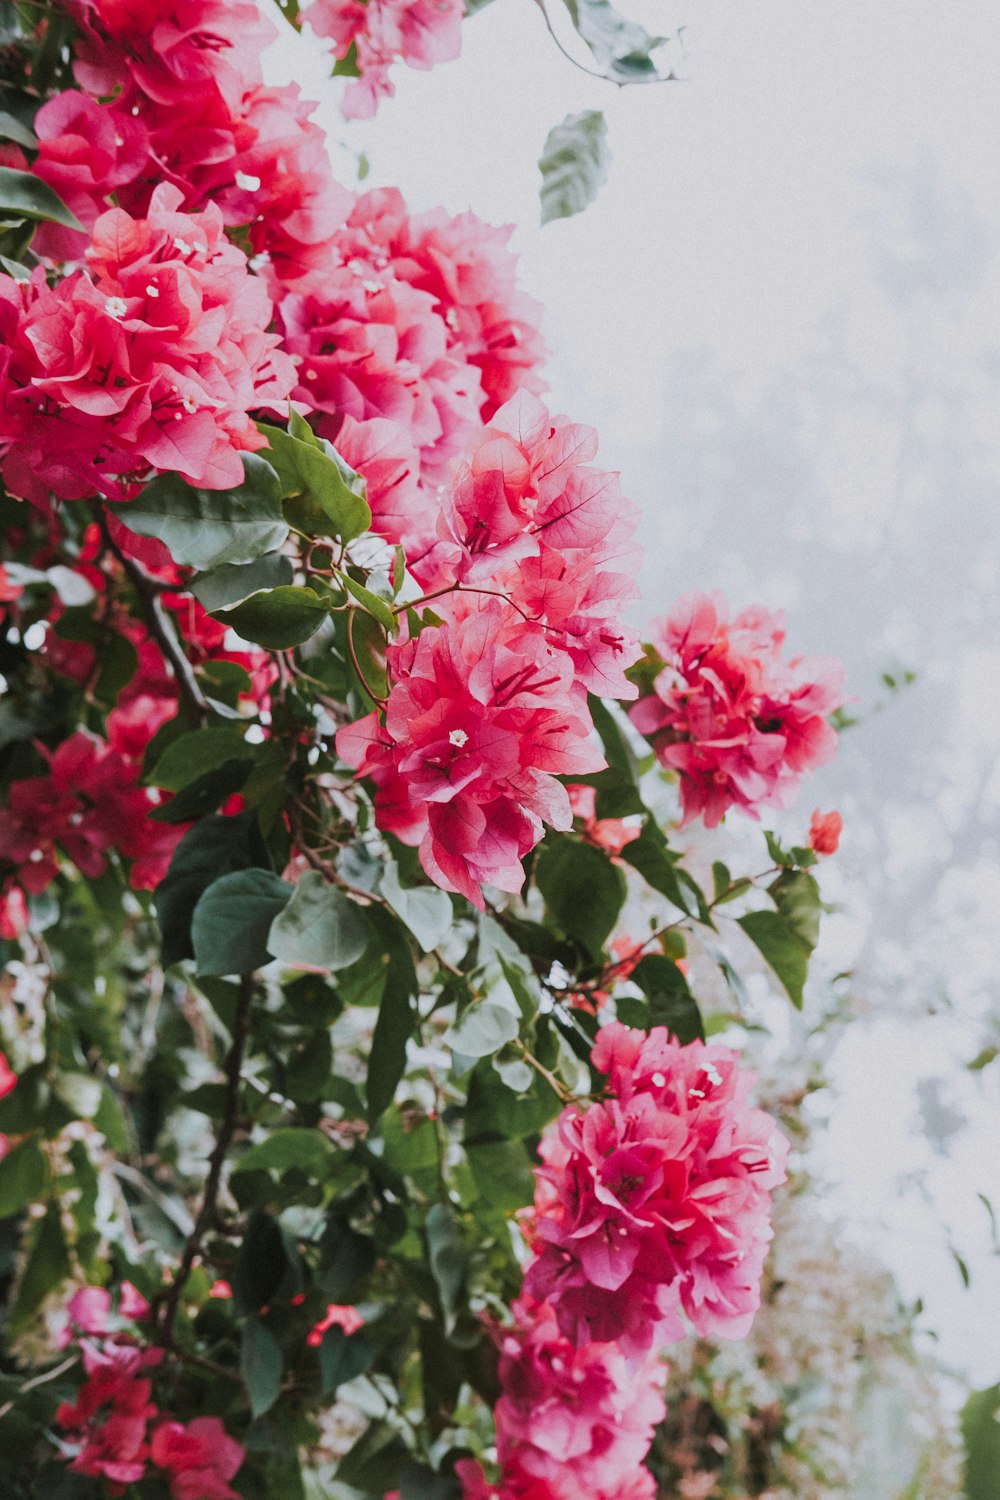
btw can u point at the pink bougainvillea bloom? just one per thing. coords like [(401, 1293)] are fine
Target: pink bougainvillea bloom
[(639, 1484), (200, 1458), (8, 1078), (420, 32), (737, 722), (86, 152), (658, 1196), (578, 1417), (824, 832), (483, 715), (610, 834), (151, 360), (336, 1316)]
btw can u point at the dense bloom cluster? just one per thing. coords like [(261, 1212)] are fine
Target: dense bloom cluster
[(658, 1197), (109, 1422), (421, 32), (416, 332), (151, 359), (737, 722), (482, 717), (249, 149)]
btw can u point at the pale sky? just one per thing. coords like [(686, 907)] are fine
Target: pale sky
[(783, 316)]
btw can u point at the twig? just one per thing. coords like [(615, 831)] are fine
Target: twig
[(29, 1385), (209, 1202), (148, 590)]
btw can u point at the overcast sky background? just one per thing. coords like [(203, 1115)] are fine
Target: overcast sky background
[(783, 316)]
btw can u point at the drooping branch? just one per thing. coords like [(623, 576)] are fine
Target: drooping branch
[(213, 1182)]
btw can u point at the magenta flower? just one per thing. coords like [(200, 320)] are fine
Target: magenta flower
[(199, 1458), (420, 32), (738, 723)]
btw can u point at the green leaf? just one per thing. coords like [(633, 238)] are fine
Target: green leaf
[(671, 1003), (342, 1357), (308, 1151), (419, 1483), (424, 909), (656, 862), (448, 1260), (373, 1463), (278, 618), (574, 164), (192, 755), (212, 848), (46, 1266), (261, 1264), (796, 895), (204, 795), (483, 1029), (232, 919), (371, 603), (583, 890), (502, 1172), (346, 1259), (24, 1178), (621, 48), (324, 496), (261, 1365), (395, 1019), (12, 129), (230, 584), (369, 643), (981, 1431), (206, 528), (320, 927), (785, 951), (25, 196)]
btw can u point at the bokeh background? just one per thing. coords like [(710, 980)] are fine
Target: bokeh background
[(783, 315)]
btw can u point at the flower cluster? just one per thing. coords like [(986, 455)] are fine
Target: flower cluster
[(109, 1422), (420, 32), (151, 359), (658, 1197), (737, 722), (249, 149), (416, 333)]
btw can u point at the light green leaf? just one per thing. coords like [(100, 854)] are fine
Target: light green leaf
[(621, 47), (425, 910), (324, 496), (574, 164), (206, 528), (232, 919), (320, 928), (12, 129), (785, 951), (371, 603), (307, 1150), (482, 1030)]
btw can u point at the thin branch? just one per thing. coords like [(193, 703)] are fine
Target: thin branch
[(209, 1202), (149, 590), (29, 1385)]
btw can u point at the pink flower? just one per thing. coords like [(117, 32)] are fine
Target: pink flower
[(611, 834), (637, 1485), (199, 1459), (578, 1417), (152, 361), (86, 151), (8, 1078), (737, 722), (482, 716), (824, 832), (336, 1316), (421, 32), (658, 1197)]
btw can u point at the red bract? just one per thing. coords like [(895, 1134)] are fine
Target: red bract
[(824, 832), (658, 1197), (483, 715), (200, 1458), (736, 721), (86, 151), (421, 32), (527, 513), (579, 1418), (638, 1485), (152, 361), (8, 1078)]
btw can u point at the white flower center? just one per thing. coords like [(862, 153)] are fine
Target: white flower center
[(248, 183), (459, 738), (152, 290), (116, 307)]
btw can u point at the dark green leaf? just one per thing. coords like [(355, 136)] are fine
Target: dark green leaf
[(231, 583), (261, 1365), (25, 196), (206, 528), (981, 1431), (212, 848), (346, 1259), (279, 618), (785, 951), (796, 895), (192, 755), (583, 890), (308, 1151), (656, 862), (419, 1483), (671, 1003), (232, 919), (203, 796), (374, 1462), (369, 643), (342, 1357), (261, 1264), (503, 1174), (12, 129), (395, 1019), (448, 1260), (574, 164), (47, 1265), (320, 927), (24, 1176)]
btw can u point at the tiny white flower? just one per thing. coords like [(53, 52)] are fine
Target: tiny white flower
[(248, 183), (181, 245), (458, 737), (116, 307), (152, 290)]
